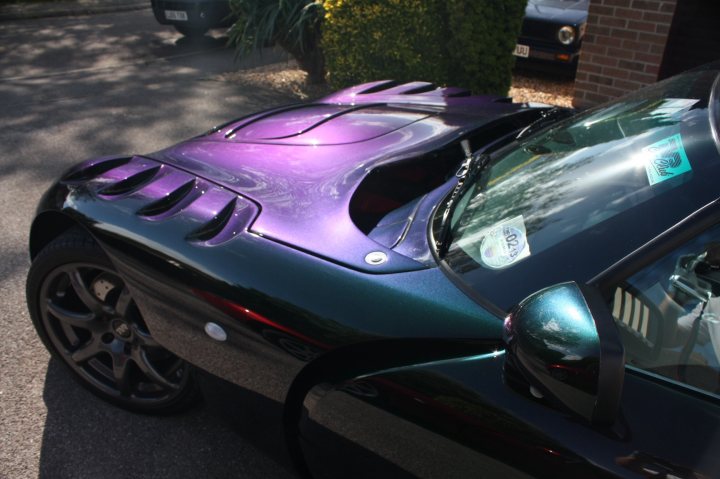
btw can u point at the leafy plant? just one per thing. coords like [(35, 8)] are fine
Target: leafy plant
[(466, 43), (294, 25)]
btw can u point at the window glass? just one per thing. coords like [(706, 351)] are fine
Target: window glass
[(668, 315), (566, 202)]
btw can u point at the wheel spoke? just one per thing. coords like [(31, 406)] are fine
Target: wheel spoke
[(85, 295), (87, 351), (123, 303), (87, 321), (121, 372), (143, 362)]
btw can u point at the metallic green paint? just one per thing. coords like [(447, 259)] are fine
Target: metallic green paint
[(552, 338)]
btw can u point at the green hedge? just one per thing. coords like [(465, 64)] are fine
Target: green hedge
[(466, 43)]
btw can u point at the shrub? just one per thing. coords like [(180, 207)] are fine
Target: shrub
[(466, 43), (294, 25)]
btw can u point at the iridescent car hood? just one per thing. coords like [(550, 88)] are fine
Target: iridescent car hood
[(301, 164)]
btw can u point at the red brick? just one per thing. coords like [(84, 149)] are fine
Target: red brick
[(642, 26), (620, 53), (657, 49), (590, 68), (616, 73), (632, 66), (646, 5), (596, 98), (616, 3), (668, 7), (600, 79), (624, 34), (601, 10), (594, 48), (628, 13), (665, 18), (612, 21), (652, 69), (648, 58), (627, 85), (636, 46), (643, 78), (608, 42), (662, 29), (606, 61), (580, 78), (652, 38), (598, 30), (610, 91)]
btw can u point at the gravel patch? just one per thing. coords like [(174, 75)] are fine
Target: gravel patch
[(286, 78)]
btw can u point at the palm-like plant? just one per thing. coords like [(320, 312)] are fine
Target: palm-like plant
[(294, 25)]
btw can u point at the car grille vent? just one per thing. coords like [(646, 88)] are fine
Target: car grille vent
[(89, 172), (172, 200), (213, 228), (130, 183)]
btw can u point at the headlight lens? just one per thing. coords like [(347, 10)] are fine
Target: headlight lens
[(566, 35)]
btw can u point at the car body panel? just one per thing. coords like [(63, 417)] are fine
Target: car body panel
[(411, 409), (304, 178)]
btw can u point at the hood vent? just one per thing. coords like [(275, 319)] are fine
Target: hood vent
[(203, 213), (170, 200), (131, 183), (85, 172), (233, 219)]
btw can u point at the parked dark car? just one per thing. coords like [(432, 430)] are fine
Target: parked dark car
[(427, 283), (552, 33), (193, 17)]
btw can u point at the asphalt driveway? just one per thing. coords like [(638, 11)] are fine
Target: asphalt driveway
[(73, 88)]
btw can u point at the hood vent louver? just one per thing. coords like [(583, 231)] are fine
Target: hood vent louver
[(88, 172), (215, 226), (130, 183), (234, 218), (170, 200)]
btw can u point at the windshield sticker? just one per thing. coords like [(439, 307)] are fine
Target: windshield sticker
[(665, 159), (504, 243)]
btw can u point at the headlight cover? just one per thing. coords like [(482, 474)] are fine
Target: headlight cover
[(566, 35)]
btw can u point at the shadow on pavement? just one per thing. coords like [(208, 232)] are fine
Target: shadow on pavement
[(87, 438)]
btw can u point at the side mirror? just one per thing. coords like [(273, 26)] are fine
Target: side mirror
[(564, 343)]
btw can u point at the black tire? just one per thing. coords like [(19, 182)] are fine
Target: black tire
[(191, 32), (85, 316)]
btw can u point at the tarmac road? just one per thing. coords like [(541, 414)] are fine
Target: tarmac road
[(73, 88)]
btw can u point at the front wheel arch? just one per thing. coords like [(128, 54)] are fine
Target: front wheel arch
[(47, 226)]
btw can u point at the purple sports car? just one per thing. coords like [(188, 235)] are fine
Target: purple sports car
[(420, 282)]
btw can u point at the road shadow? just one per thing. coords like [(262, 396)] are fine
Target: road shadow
[(234, 434)]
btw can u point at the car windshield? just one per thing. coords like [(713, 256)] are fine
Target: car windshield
[(571, 200)]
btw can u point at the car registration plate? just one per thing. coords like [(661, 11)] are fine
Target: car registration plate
[(176, 15), (522, 51)]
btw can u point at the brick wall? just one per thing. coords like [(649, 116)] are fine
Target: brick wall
[(623, 48)]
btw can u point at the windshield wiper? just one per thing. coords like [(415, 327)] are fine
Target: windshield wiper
[(467, 173), (546, 117)]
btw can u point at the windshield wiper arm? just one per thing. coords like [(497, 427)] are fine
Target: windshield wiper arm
[(468, 171)]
